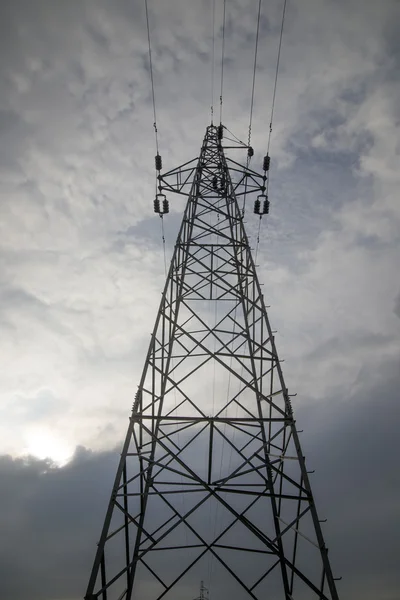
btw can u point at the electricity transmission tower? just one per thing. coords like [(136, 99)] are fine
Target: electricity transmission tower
[(212, 484)]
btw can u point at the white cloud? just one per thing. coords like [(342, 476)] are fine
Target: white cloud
[(80, 296)]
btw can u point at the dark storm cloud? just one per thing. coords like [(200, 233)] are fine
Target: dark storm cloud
[(51, 517), (351, 445), (50, 521)]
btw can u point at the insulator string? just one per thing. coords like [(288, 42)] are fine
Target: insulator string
[(151, 76), (222, 64)]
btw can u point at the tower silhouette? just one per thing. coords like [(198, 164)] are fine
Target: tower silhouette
[(212, 483)]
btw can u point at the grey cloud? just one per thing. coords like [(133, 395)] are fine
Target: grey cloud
[(327, 350), (397, 306), (9, 120), (53, 518), (350, 443), (17, 297)]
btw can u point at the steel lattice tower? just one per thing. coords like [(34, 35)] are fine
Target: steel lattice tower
[(212, 482)]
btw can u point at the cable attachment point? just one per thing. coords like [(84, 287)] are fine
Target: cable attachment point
[(220, 132), (250, 152), (158, 161), (266, 163)]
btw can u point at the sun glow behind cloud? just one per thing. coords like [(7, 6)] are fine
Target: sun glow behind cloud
[(43, 444)]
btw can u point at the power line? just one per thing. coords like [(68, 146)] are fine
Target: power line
[(249, 153), (151, 76), (212, 62), (163, 243), (272, 114), (222, 64), (258, 240), (254, 75), (276, 75)]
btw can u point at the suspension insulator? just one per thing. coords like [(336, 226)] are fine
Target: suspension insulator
[(158, 162), (215, 183), (266, 207), (220, 132), (159, 203), (250, 152), (165, 206), (266, 163), (257, 206)]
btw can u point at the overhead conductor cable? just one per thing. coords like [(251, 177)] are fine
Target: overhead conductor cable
[(266, 164), (212, 62), (161, 205), (250, 153), (151, 76), (222, 64), (276, 75), (250, 150)]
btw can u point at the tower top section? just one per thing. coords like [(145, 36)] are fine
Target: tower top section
[(214, 175)]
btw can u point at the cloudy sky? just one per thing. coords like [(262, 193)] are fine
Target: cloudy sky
[(82, 262)]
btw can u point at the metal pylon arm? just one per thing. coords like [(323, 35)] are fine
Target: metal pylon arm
[(212, 478), (245, 181)]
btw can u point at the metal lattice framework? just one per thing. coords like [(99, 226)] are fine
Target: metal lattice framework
[(212, 483)]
